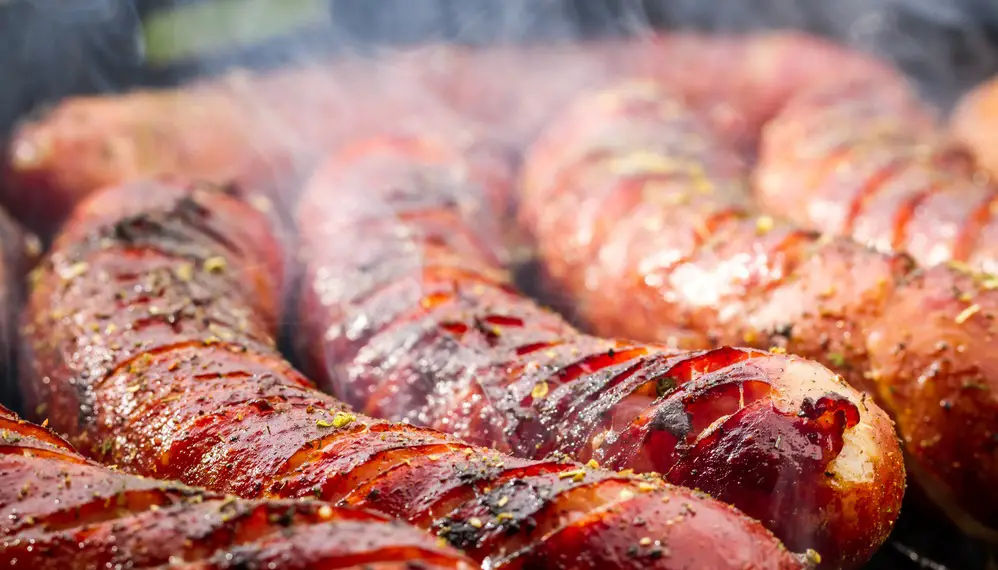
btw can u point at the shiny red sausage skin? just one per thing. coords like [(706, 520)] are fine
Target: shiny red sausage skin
[(149, 332), (64, 512), (670, 231), (408, 314)]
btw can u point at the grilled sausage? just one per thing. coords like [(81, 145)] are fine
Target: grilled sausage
[(868, 160), (64, 512), (972, 124), (408, 315), (630, 198), (149, 335), (259, 130), (263, 129)]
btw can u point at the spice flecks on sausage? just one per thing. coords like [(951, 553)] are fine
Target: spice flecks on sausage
[(149, 330), (708, 261), (61, 511), (408, 316)]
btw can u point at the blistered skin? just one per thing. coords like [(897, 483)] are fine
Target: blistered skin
[(408, 315), (631, 199), (868, 160), (149, 336), (61, 511), (265, 129)]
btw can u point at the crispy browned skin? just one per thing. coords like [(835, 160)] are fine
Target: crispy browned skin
[(262, 129), (149, 335), (407, 314), (61, 511), (630, 198)]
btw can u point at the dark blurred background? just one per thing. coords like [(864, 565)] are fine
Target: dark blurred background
[(53, 48)]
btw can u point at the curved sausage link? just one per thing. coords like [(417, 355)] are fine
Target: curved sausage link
[(409, 316), (61, 511), (631, 199), (149, 335)]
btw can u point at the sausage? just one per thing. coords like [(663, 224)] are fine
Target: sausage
[(263, 130), (407, 314), (869, 160), (64, 512), (972, 125), (148, 336), (630, 197), (260, 130)]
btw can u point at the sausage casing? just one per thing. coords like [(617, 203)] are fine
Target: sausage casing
[(149, 339), (668, 229), (64, 512), (409, 315)]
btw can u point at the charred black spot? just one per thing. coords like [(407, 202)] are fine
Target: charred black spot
[(785, 331), (830, 404), (673, 418), (190, 208), (459, 533), (285, 518)]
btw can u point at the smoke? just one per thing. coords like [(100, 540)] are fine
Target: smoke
[(50, 49)]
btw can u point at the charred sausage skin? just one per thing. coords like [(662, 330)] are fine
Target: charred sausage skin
[(408, 315), (149, 336), (631, 198), (64, 512)]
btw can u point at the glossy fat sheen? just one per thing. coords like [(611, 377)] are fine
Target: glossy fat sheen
[(149, 336), (264, 129), (673, 238), (867, 160), (63, 512), (408, 315)]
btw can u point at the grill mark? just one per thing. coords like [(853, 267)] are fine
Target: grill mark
[(969, 235), (542, 517), (592, 517), (152, 352), (570, 413), (906, 211), (453, 500), (420, 452), (869, 190), (790, 245), (24, 429), (127, 503), (311, 450), (29, 451)]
